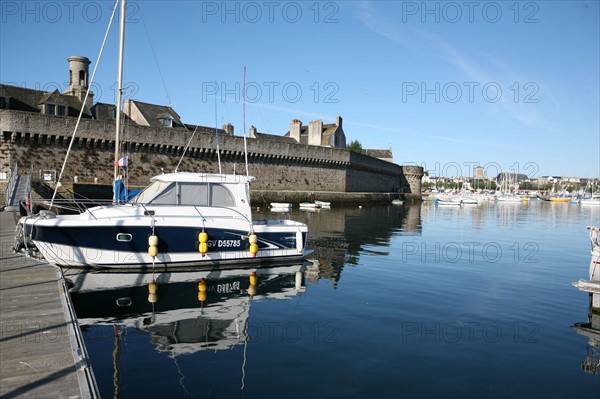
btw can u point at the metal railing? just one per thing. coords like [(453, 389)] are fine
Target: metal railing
[(12, 183)]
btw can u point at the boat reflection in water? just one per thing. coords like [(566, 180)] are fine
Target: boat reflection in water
[(184, 311), (591, 330), (176, 313)]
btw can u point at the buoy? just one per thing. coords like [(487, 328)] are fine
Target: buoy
[(152, 298), (152, 288), (253, 249), (153, 251), (202, 296), (253, 279), (203, 240), (203, 248), (153, 241), (253, 282), (153, 245), (202, 285), (298, 280), (299, 243), (253, 239)]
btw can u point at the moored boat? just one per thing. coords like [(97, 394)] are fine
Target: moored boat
[(163, 226), (281, 205)]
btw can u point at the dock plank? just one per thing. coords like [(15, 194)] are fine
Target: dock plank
[(36, 357)]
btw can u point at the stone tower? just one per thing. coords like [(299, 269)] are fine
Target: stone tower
[(78, 78)]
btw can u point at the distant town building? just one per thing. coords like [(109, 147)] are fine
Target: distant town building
[(548, 179), (384, 155), (511, 177), (479, 173), (318, 133)]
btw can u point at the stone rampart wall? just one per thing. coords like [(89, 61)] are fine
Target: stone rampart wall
[(42, 140)]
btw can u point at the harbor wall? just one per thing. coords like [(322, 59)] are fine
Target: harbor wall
[(42, 141)]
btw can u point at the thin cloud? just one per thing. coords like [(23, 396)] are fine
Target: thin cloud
[(434, 45)]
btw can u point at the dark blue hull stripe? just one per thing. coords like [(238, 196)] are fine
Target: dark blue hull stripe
[(171, 239)]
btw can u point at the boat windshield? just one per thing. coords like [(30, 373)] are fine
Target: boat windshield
[(150, 192)]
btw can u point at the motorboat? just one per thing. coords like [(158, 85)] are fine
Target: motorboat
[(180, 219)]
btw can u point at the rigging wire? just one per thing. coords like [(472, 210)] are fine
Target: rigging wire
[(185, 149), (244, 112), (217, 134), (62, 170), (162, 79)]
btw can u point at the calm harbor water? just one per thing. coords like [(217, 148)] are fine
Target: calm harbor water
[(403, 301)]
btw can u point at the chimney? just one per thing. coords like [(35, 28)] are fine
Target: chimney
[(228, 127), (253, 132), (78, 78), (340, 137), (295, 128), (315, 132)]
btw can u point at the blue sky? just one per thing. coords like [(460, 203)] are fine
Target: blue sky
[(511, 86)]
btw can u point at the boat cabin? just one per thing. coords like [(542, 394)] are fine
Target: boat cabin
[(195, 189)]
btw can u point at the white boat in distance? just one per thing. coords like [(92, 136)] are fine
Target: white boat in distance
[(175, 208), (281, 205)]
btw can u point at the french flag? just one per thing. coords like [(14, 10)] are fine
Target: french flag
[(122, 161)]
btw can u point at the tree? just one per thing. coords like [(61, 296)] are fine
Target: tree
[(354, 146)]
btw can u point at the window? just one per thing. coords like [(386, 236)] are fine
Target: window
[(191, 194), (194, 194), (167, 121), (60, 110), (50, 109), (150, 191), (167, 197), (3, 103), (220, 196)]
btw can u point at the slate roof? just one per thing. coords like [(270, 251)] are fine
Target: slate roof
[(31, 100), (274, 137), (153, 114), (105, 112), (381, 154)]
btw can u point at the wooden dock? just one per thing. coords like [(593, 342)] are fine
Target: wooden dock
[(41, 351)]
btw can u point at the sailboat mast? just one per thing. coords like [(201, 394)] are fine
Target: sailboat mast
[(119, 94)]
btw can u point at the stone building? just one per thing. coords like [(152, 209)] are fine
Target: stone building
[(37, 126)]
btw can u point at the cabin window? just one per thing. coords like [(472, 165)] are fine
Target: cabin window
[(150, 192), (194, 194), (167, 197), (221, 196), (191, 194)]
